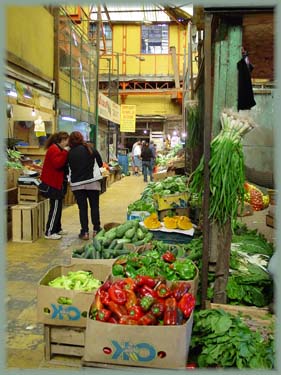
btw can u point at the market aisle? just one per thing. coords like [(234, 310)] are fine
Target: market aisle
[(26, 264)]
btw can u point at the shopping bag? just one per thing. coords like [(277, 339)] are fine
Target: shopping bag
[(97, 172)]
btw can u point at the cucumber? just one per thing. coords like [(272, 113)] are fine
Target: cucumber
[(139, 243), (113, 244), (130, 233), (89, 253), (100, 234), (97, 244), (75, 255), (79, 251), (119, 246), (107, 242)]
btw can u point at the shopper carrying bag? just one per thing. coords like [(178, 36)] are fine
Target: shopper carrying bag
[(84, 164), (52, 184)]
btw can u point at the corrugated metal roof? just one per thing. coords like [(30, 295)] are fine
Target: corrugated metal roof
[(138, 13)]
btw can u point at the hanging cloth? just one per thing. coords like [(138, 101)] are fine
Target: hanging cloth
[(245, 90)]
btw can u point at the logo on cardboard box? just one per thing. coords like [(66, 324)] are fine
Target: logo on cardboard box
[(65, 312), (126, 351)]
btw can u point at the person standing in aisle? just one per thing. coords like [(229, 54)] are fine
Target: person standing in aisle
[(53, 181), (146, 156), (152, 146), (84, 183), (136, 153)]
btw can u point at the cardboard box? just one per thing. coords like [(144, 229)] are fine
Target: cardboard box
[(166, 202), (85, 262), (162, 175), (50, 312), (145, 346)]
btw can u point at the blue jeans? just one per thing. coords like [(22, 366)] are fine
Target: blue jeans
[(146, 165)]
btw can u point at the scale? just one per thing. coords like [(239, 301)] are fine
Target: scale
[(30, 179)]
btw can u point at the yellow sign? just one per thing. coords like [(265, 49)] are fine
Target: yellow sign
[(128, 118)]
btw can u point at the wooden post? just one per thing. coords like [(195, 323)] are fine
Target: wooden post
[(227, 54), (207, 141), (223, 236)]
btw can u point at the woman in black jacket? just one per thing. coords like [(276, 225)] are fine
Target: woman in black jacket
[(84, 183)]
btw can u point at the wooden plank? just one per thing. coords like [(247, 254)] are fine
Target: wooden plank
[(67, 350), (234, 55), (261, 315), (47, 340), (70, 336), (16, 220), (26, 225)]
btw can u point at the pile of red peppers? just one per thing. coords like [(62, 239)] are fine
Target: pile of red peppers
[(143, 301)]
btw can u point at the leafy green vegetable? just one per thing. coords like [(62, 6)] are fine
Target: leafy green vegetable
[(222, 340)]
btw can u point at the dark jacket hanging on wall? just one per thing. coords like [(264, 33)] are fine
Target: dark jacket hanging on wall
[(245, 90)]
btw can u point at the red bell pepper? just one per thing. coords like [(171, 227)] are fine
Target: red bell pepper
[(179, 289), (170, 313), (157, 309), (147, 320), (104, 296), (120, 283), (129, 284), (147, 291), (135, 312), (126, 319), (117, 294), (105, 286), (146, 302), (117, 310), (97, 304), (102, 315), (132, 299), (168, 257), (145, 280), (163, 291), (187, 304), (112, 320)]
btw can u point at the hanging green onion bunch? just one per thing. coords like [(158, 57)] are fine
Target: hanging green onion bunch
[(226, 164)]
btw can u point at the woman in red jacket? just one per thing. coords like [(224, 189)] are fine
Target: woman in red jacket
[(53, 178)]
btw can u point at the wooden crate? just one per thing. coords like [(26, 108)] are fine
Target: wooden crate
[(62, 341), (260, 317), (269, 220), (28, 193), (24, 223), (43, 208)]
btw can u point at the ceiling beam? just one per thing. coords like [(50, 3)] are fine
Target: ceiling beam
[(107, 15)]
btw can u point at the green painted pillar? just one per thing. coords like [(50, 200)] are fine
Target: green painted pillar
[(227, 55)]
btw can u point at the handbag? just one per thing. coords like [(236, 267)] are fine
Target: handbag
[(50, 192), (97, 173)]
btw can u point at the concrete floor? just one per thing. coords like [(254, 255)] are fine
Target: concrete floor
[(27, 263)]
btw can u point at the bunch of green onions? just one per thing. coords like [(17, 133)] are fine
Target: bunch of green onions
[(227, 176)]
